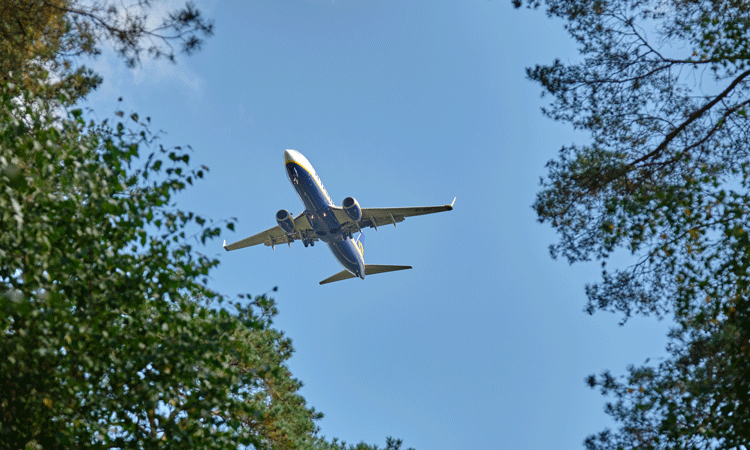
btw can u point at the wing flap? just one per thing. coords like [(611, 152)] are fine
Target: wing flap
[(268, 237), (389, 214), (301, 224), (341, 216), (276, 236)]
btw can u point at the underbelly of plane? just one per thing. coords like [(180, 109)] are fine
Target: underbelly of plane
[(326, 226), (347, 255)]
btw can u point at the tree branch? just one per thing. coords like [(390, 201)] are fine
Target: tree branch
[(692, 118)]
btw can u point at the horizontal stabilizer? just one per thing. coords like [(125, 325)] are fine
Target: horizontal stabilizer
[(370, 269), (343, 275)]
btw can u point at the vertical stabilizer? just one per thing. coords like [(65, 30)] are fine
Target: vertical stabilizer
[(361, 243)]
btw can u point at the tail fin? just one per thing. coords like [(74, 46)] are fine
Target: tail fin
[(361, 243)]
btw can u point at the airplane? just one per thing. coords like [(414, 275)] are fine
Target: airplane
[(334, 225)]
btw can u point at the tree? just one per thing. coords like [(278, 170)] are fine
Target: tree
[(662, 88), (280, 418), (39, 37), (110, 336), (102, 345)]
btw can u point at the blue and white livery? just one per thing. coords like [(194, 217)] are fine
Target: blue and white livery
[(334, 225)]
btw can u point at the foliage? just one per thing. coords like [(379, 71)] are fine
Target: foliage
[(43, 37), (102, 344), (663, 89), (280, 418), (390, 444), (108, 340), (52, 29), (108, 337)]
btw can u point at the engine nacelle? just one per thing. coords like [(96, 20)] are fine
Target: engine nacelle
[(351, 208), (285, 221)]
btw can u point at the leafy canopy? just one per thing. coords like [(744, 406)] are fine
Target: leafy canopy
[(103, 344), (108, 340), (662, 87)]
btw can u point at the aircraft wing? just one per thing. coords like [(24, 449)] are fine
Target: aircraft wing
[(275, 236), (375, 217)]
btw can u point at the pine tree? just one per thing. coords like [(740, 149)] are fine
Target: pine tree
[(662, 88)]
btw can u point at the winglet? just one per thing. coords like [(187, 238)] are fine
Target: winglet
[(225, 245), (451, 205)]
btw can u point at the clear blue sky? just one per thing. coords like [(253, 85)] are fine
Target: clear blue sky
[(484, 344)]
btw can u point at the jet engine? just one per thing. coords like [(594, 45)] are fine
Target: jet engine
[(352, 209), (285, 221)]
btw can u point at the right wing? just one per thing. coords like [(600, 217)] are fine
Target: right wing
[(375, 217), (275, 236)]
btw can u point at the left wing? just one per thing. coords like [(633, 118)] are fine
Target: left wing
[(275, 236), (375, 217)]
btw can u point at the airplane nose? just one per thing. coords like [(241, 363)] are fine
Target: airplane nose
[(289, 156)]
